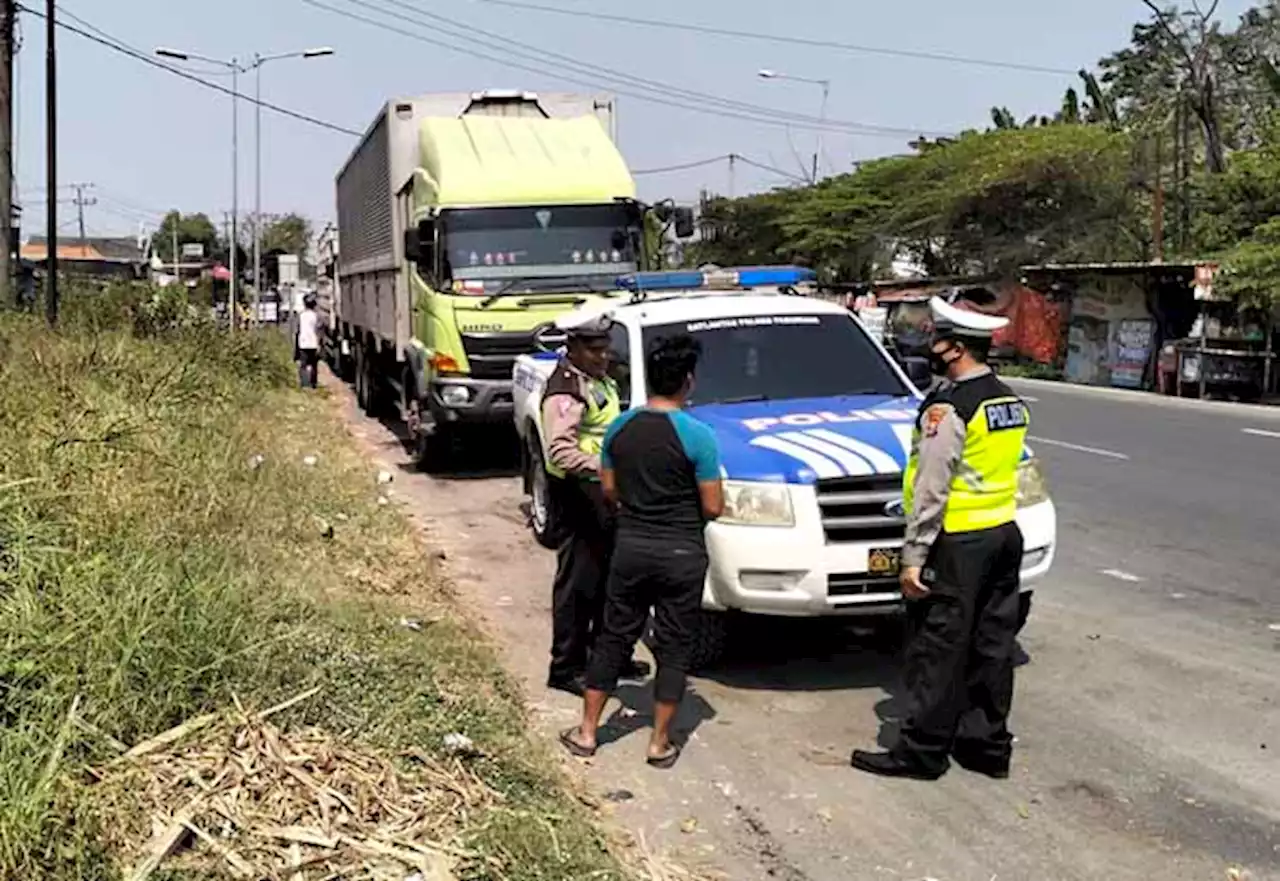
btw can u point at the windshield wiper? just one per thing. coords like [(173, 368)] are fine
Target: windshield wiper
[(557, 282)]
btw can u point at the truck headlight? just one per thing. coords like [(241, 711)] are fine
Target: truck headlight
[(1033, 488), (757, 504)]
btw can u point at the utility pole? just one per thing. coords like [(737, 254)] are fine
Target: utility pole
[(8, 20), (81, 203), (51, 159)]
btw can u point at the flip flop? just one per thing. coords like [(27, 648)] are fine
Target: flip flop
[(575, 748), (667, 760)]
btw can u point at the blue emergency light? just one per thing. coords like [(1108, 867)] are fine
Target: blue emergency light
[(722, 279)]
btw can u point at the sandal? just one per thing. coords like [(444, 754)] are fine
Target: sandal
[(575, 748), (667, 760)]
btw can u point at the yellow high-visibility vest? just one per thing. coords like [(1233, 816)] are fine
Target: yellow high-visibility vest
[(985, 485)]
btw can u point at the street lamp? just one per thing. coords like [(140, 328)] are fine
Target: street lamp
[(256, 67), (232, 65), (767, 74)]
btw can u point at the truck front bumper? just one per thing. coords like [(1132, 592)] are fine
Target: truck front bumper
[(795, 572), (456, 401)]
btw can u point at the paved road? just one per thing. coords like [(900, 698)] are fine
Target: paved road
[(1148, 725)]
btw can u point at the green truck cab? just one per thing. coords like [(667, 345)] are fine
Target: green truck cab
[(466, 225)]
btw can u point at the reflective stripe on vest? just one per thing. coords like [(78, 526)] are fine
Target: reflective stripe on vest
[(984, 489), (604, 404)]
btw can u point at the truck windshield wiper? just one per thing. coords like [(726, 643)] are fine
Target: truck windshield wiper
[(529, 285)]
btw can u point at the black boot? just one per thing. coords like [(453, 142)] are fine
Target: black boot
[(570, 683), (889, 764)]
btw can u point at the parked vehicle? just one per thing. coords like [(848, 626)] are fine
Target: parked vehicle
[(814, 420), (467, 223)]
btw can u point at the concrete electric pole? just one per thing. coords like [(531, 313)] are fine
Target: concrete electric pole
[(8, 23)]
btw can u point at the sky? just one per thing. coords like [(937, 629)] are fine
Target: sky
[(150, 141)]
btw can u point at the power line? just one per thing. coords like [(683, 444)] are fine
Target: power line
[(683, 104), (779, 38), (714, 160), (122, 48), (537, 54)]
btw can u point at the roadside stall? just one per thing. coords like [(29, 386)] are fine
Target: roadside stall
[(1228, 353)]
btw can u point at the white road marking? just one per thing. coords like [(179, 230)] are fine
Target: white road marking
[(1261, 432), (1121, 575), (1275, 628), (1109, 454), (1030, 400)]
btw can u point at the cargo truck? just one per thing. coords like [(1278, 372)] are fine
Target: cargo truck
[(469, 223)]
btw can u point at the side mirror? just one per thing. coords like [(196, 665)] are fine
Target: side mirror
[(412, 246), (684, 223)]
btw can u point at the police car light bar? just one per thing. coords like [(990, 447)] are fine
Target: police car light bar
[(718, 279)]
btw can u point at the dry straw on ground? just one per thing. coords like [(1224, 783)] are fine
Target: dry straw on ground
[(233, 793)]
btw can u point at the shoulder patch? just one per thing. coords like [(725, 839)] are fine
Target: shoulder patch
[(932, 418)]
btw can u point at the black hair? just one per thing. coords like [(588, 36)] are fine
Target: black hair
[(670, 362)]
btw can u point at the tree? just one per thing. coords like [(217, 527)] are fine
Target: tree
[(1251, 269), (191, 228), (287, 233)]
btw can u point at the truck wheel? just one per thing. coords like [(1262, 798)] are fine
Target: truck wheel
[(541, 519), (367, 379), (361, 379)]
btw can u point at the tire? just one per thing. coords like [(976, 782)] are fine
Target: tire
[(361, 380), (710, 640), (542, 521), (433, 452), (367, 379)]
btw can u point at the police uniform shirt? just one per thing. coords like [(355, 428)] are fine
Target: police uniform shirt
[(564, 404), (942, 435)]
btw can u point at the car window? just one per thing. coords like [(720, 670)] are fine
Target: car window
[(620, 362)]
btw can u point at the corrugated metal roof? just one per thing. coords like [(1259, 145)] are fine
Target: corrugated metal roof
[(480, 160)]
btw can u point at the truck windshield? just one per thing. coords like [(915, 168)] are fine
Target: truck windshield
[(505, 243), (778, 357)]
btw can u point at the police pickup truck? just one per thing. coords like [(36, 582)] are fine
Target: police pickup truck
[(814, 421)]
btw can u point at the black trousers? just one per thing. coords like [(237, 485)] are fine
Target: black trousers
[(959, 664), (646, 574), (582, 567)]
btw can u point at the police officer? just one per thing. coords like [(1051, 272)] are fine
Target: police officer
[(579, 403), (961, 561)]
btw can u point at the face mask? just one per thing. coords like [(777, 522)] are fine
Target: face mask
[(938, 364)]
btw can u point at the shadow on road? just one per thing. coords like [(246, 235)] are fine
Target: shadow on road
[(810, 655), (636, 714), (482, 455)]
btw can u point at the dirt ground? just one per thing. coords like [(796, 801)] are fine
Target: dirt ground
[(1142, 746)]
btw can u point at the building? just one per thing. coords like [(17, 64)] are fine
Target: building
[(123, 258)]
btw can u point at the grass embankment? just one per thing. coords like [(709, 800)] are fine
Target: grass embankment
[(151, 571)]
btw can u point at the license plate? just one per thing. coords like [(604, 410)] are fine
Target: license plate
[(884, 561)]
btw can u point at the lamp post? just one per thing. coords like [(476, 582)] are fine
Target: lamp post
[(256, 67), (232, 65), (822, 114)]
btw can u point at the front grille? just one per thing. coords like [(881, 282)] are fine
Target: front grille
[(860, 584), (852, 508), (493, 355)]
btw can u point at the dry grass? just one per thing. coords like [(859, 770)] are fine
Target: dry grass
[(167, 552)]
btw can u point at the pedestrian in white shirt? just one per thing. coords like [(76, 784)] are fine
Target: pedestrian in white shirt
[(307, 344)]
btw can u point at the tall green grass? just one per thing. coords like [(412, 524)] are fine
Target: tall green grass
[(150, 571)]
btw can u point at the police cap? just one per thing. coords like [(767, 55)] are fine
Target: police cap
[(586, 328), (952, 321)]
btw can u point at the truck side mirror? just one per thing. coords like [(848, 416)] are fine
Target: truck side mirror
[(683, 222), (412, 246)]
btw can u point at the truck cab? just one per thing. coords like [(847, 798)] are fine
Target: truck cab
[(505, 210), (814, 421)]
